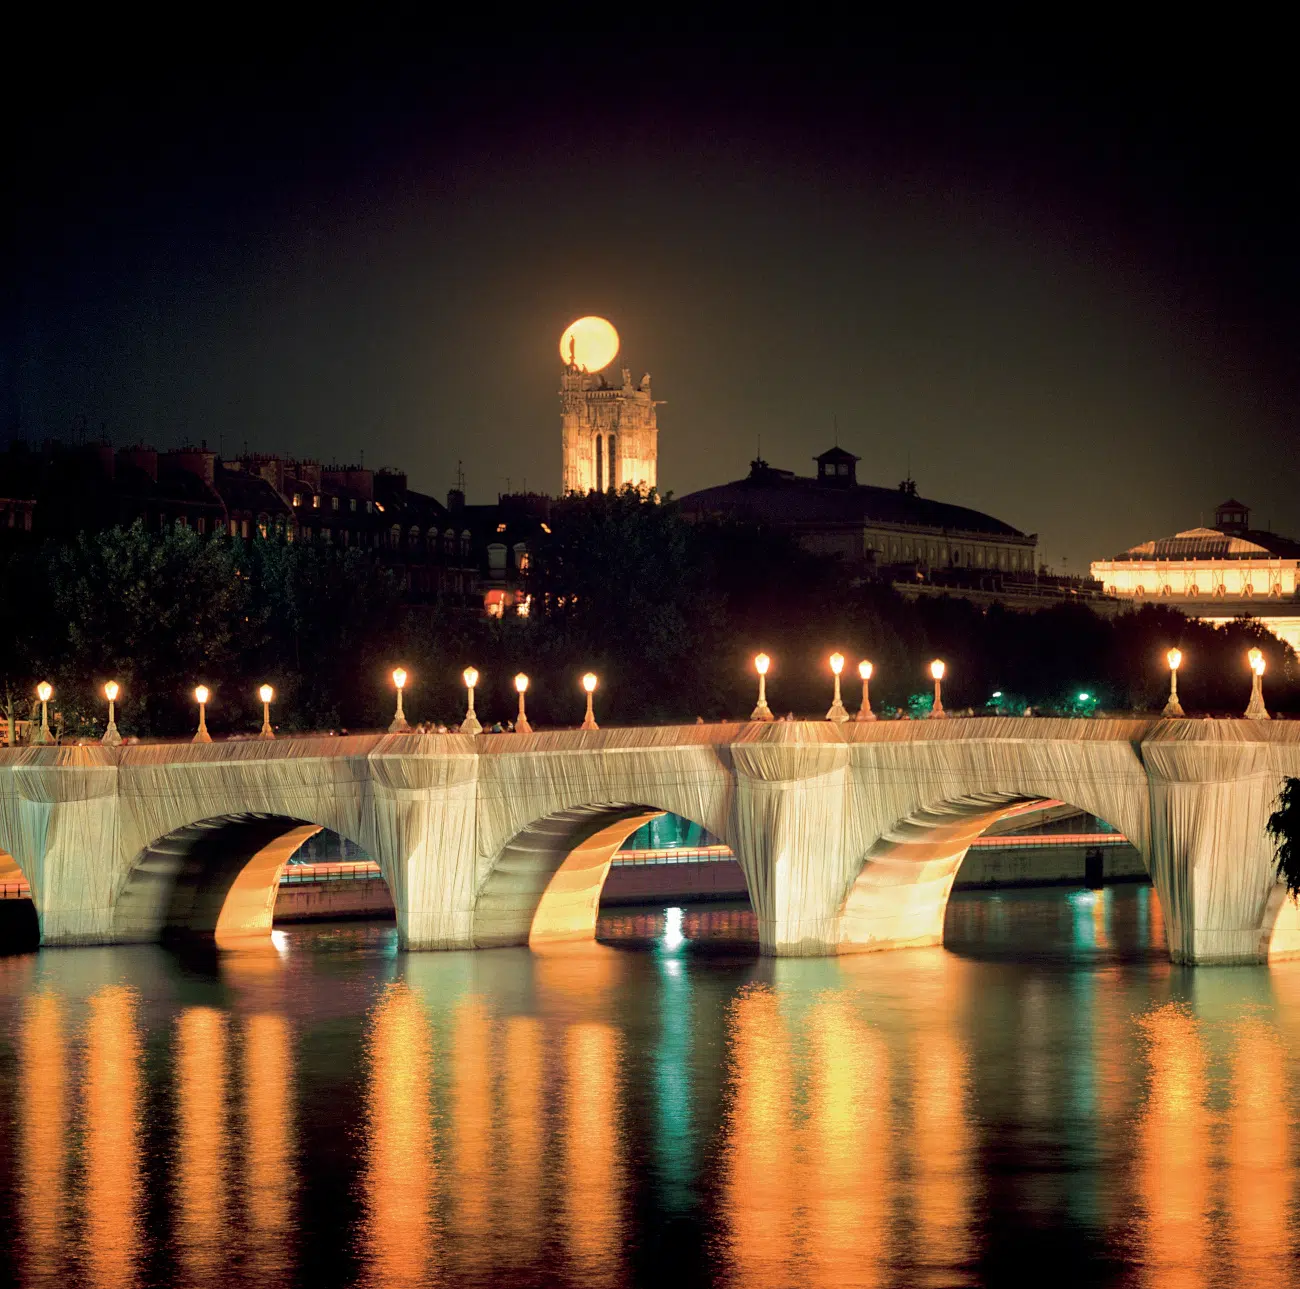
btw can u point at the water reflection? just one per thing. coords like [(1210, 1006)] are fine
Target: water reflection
[(43, 1135), (203, 1145), (616, 1116), (397, 1239), (269, 1178)]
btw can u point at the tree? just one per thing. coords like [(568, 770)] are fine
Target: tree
[(1284, 828)]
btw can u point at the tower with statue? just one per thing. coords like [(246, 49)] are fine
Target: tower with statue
[(609, 433)]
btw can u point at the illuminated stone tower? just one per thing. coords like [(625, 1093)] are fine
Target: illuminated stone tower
[(609, 434)]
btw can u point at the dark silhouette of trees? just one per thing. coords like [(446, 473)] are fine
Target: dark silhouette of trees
[(1284, 828)]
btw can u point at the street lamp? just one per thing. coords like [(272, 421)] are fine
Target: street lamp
[(521, 721), (44, 691), (589, 684), (762, 712), (1173, 707), (864, 712), (399, 725), (111, 736), (936, 670), (201, 697), (1256, 711), (837, 712), (470, 725), (266, 693)]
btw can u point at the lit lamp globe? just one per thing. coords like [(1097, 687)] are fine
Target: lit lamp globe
[(111, 736), (470, 725), (521, 721), (761, 712), (864, 672), (1256, 711), (266, 693), (589, 684), (1173, 708), (837, 712), (399, 723), (201, 697), (937, 670), (589, 344), (44, 691)]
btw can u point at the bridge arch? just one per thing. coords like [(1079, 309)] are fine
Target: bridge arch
[(900, 895), (544, 885), (214, 879)]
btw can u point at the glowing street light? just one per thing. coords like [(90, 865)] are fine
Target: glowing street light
[(201, 697), (589, 684), (266, 693), (1175, 660), (111, 737), (837, 712), (44, 691), (399, 724), (1256, 711), (864, 712), (936, 670), (470, 725), (762, 712), (521, 721)]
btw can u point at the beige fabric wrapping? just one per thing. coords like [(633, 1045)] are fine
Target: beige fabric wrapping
[(848, 834)]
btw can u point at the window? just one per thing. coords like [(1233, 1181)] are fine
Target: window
[(352, 505), (334, 503), (297, 499), (315, 501), (501, 528), (370, 506), (263, 523), (600, 465), (201, 524), (395, 536), (612, 473), (413, 537), (464, 542), (449, 541)]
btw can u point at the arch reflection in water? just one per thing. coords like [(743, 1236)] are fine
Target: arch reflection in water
[(43, 1133), (269, 1179), (113, 1182), (1174, 1148), (203, 1145), (397, 1237), (593, 1189)]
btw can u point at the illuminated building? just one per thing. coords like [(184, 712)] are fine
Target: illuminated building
[(609, 433), (1216, 574), (869, 527)]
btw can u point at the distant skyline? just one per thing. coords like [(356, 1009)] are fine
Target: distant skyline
[(1066, 293)]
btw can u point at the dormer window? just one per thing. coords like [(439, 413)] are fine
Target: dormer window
[(334, 503), (315, 501), (297, 499)]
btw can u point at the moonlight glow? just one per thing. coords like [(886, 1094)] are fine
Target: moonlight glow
[(594, 343)]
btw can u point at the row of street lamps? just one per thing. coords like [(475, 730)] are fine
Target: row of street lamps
[(1255, 710)]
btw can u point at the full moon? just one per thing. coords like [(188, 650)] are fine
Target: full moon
[(594, 343)]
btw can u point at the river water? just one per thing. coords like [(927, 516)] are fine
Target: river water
[(1045, 1095)]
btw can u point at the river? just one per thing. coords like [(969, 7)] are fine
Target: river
[(1044, 1095)]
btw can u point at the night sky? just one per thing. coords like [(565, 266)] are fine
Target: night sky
[(1064, 289)]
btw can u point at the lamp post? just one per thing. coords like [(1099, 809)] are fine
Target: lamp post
[(864, 712), (111, 737), (521, 721), (1173, 707), (266, 693), (399, 724), (201, 697), (837, 712), (762, 712), (44, 691), (936, 670), (1256, 711), (470, 725), (589, 684)]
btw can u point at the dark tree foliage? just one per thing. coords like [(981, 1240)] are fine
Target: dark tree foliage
[(668, 614), (1284, 828)]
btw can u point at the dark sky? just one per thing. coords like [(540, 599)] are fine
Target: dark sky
[(1060, 281)]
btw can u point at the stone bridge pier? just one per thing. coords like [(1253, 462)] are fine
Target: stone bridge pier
[(849, 836)]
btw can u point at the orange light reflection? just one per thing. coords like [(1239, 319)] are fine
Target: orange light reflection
[(269, 1179), (43, 1134), (201, 1199)]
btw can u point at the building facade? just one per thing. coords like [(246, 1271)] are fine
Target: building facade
[(1216, 574), (609, 433), (889, 530)]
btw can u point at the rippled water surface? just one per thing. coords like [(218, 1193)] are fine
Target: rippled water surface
[(1047, 1095)]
